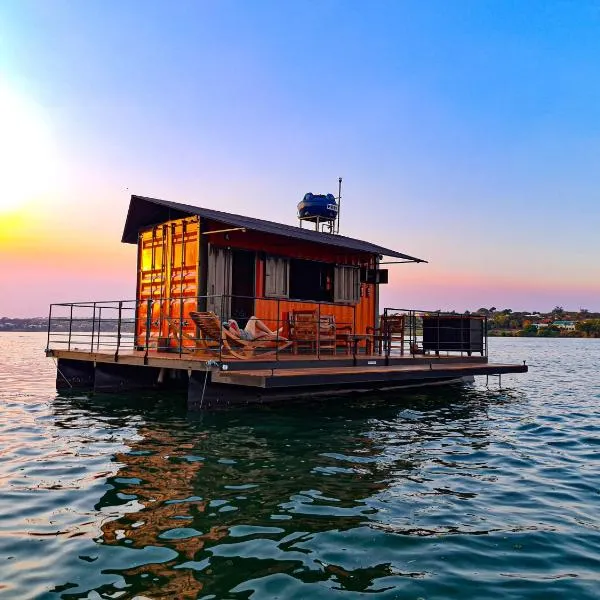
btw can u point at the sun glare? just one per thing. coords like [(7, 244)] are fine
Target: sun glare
[(27, 156)]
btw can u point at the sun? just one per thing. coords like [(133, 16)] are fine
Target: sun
[(27, 156)]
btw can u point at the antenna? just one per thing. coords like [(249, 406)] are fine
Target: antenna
[(339, 199)]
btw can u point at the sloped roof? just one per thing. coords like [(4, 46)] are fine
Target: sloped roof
[(144, 212)]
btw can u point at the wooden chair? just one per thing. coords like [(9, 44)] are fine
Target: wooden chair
[(416, 349), (389, 335), (344, 337), (307, 328), (214, 339)]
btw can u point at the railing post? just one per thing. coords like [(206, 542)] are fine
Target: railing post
[(70, 327), (319, 330), (438, 334), (49, 327), (415, 329), (99, 326), (119, 330), (413, 332), (354, 333), (354, 339), (384, 342), (148, 326), (181, 319), (277, 329), (386, 331), (485, 335), (220, 340), (93, 327), (137, 328)]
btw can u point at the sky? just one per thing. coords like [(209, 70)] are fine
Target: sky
[(467, 134)]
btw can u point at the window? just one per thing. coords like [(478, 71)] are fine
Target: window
[(302, 279), (276, 277), (311, 280), (346, 286)]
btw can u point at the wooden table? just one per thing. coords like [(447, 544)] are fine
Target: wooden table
[(352, 340)]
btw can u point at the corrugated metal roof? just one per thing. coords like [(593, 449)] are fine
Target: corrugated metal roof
[(144, 212)]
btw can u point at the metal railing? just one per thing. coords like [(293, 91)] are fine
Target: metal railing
[(165, 324), (92, 326), (427, 332), (196, 325)]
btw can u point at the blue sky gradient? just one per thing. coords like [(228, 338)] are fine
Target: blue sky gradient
[(467, 134)]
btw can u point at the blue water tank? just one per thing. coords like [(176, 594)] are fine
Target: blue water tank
[(322, 207)]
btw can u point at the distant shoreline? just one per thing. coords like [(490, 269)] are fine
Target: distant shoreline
[(24, 330), (40, 324), (560, 336)]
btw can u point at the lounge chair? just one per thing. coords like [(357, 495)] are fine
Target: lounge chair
[(214, 339)]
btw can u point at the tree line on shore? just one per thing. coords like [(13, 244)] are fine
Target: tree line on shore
[(41, 324), (585, 323)]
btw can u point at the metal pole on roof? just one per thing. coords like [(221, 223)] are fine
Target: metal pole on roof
[(339, 203)]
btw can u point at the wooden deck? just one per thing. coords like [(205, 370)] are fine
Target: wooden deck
[(198, 362)]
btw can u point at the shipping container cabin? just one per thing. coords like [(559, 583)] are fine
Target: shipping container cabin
[(192, 258)]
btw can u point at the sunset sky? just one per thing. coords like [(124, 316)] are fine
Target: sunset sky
[(467, 133)]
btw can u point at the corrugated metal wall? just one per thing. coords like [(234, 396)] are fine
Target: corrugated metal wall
[(168, 259)]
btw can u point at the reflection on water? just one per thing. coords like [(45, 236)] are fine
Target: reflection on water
[(452, 492), (212, 488)]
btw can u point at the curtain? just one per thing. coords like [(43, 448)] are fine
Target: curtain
[(277, 277), (346, 285)]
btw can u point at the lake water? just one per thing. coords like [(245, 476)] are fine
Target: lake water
[(458, 492)]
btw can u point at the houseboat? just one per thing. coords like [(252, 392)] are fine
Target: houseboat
[(235, 309)]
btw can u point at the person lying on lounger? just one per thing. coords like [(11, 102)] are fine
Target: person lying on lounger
[(255, 330)]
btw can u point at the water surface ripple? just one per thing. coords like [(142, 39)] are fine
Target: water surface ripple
[(458, 492)]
